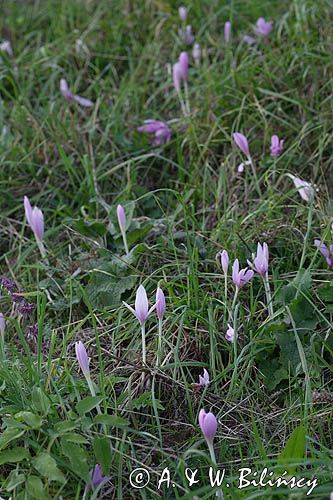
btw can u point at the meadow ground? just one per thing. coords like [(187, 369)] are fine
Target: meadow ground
[(186, 200)]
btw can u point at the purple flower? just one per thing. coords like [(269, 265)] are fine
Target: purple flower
[(160, 303), (230, 334), (241, 142), (305, 189), (8, 283), (196, 53), (227, 31), (2, 324), (5, 46), (69, 96), (261, 260), (180, 70), (18, 297), (240, 277), (208, 425), (26, 308), (141, 311), (186, 35), (249, 40), (82, 358), (35, 219), (95, 479), (276, 146), (225, 261), (32, 332), (183, 65), (204, 379), (182, 11), (325, 251), (121, 217), (263, 28), (158, 130)]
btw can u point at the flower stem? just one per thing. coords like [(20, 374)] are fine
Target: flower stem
[(123, 234), (254, 171), (212, 452), (268, 296), (187, 102), (159, 347), (143, 335)]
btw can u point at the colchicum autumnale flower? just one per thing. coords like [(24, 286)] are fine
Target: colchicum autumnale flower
[(160, 132), (69, 96), (263, 27), (204, 379), (182, 11), (141, 310), (327, 252), (186, 35), (196, 53), (304, 188), (225, 261), (35, 219), (82, 358), (160, 303), (261, 260), (230, 334), (240, 277), (276, 146)]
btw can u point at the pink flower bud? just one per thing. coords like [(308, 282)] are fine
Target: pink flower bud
[(241, 142), (225, 261), (2, 324), (227, 31), (276, 146), (182, 11), (82, 358), (160, 303), (183, 64), (208, 425), (204, 379), (121, 217), (34, 218)]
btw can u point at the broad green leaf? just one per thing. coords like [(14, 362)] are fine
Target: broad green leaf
[(47, 467), (294, 450), (87, 404), (40, 401), (14, 480), (9, 435), (112, 420), (14, 455), (73, 437), (31, 419), (35, 489), (77, 458), (102, 452)]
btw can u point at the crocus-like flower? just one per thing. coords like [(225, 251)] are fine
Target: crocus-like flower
[(159, 131), (240, 277), (325, 251), (230, 334), (249, 39), (196, 53), (204, 379), (141, 311), (241, 142), (121, 217), (263, 28), (225, 261), (182, 11), (227, 31), (305, 189), (82, 358), (261, 260), (186, 35), (183, 65), (5, 46), (160, 303), (2, 324), (34, 218), (208, 425), (69, 96), (95, 479), (276, 145), (176, 76)]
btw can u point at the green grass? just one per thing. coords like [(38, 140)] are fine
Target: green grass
[(185, 204)]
